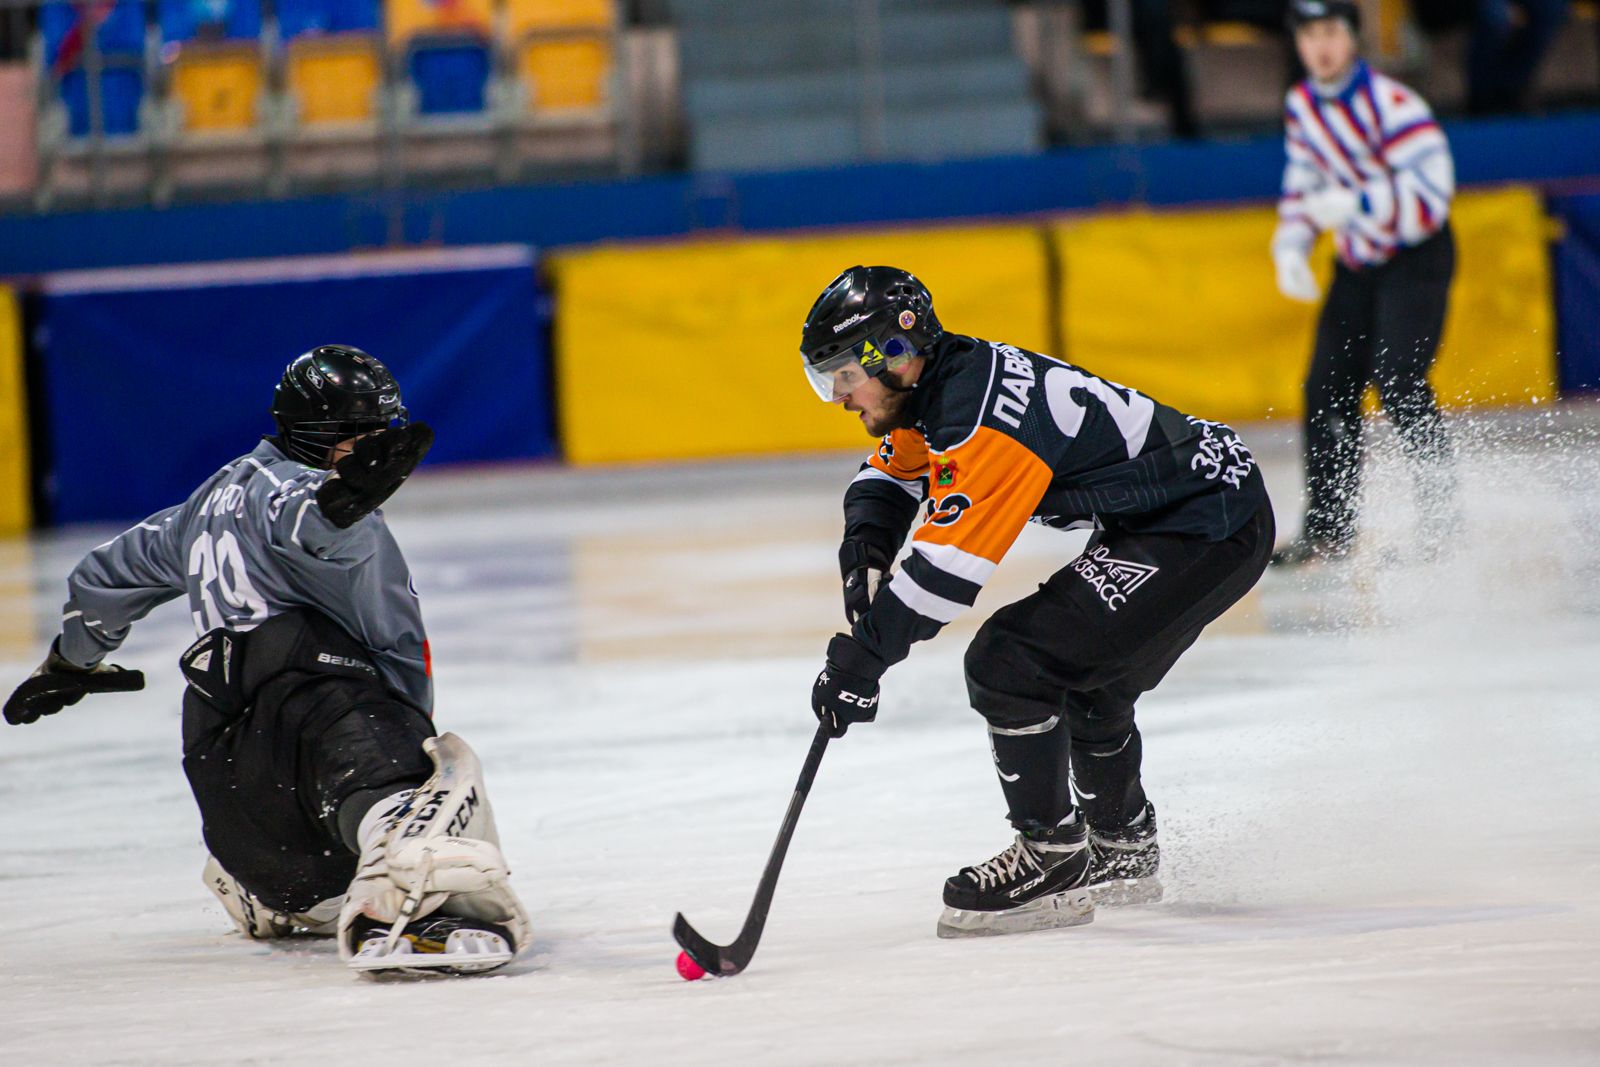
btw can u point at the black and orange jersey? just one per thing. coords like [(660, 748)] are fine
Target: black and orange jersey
[(1005, 436)]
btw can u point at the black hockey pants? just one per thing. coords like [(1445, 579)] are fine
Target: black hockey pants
[(1379, 326), (270, 774), (1056, 674)]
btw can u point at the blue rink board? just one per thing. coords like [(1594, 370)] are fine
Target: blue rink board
[(155, 378)]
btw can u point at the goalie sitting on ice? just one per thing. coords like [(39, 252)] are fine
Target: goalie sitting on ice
[(329, 805)]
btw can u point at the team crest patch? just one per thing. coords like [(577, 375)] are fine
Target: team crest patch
[(908, 319), (944, 472), (1114, 579)]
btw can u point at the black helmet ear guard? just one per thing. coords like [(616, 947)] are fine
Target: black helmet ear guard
[(331, 394), (865, 320)]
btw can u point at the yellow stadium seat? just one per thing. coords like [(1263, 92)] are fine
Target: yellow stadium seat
[(405, 19), (564, 75), (539, 16), (218, 88), (335, 79)]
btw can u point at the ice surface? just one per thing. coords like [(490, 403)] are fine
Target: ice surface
[(1378, 786)]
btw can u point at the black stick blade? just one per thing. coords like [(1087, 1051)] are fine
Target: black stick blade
[(716, 959), (725, 960)]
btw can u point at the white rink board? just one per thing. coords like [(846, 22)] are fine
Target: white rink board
[(1378, 789)]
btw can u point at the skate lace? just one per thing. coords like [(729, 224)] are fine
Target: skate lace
[(1010, 865)]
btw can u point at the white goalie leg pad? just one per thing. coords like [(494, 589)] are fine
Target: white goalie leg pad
[(439, 853), (255, 920)]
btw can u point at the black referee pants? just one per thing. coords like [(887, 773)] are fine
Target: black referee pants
[(1380, 326), (1056, 674)]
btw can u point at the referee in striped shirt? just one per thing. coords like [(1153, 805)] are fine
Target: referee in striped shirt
[(1368, 163)]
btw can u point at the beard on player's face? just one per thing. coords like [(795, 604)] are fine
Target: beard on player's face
[(881, 408)]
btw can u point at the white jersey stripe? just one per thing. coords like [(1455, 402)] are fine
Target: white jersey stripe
[(957, 562), (870, 473), (923, 602)]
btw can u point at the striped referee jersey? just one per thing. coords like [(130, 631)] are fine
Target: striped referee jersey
[(1376, 137)]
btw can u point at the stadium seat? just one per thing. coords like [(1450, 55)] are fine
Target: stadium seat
[(542, 16), (120, 38), (217, 87), (121, 92), (405, 20), (121, 33), (566, 74), (212, 20), (335, 79), (451, 76), (299, 18)]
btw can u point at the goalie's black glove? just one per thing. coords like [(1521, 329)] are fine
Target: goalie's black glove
[(847, 689), (370, 474), (58, 684), (863, 567)]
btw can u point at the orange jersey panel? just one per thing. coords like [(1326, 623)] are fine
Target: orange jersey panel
[(982, 493), (903, 454)]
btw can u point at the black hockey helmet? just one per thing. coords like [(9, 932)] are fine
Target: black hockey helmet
[(1304, 11), (331, 394), (865, 320)]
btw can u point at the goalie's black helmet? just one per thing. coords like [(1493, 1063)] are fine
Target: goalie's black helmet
[(1304, 11), (330, 394), (866, 316)]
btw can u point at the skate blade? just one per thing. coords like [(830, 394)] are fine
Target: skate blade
[(463, 952), (1071, 908), (1127, 892)]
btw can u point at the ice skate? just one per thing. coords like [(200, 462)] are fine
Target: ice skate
[(257, 921), (445, 944), (1040, 882), (1123, 863), (432, 891)]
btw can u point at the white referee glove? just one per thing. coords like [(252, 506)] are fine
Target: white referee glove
[(1295, 279), (1331, 206)]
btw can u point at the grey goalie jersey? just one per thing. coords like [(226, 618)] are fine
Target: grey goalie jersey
[(248, 544)]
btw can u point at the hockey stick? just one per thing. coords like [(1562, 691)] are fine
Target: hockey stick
[(724, 960)]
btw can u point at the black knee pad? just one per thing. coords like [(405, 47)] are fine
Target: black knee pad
[(1007, 688), (1094, 719), (362, 745)]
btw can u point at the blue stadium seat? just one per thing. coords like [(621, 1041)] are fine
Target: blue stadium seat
[(121, 89), (121, 34), (296, 18), (184, 20), (451, 76)]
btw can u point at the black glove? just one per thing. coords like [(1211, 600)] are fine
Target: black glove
[(58, 684), (373, 470), (847, 689), (863, 568)]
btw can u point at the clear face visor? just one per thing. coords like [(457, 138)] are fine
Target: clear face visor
[(838, 376)]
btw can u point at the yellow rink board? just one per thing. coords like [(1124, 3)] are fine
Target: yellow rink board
[(1184, 306), (692, 349), (15, 507)]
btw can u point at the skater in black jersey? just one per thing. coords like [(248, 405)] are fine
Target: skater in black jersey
[(989, 437)]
